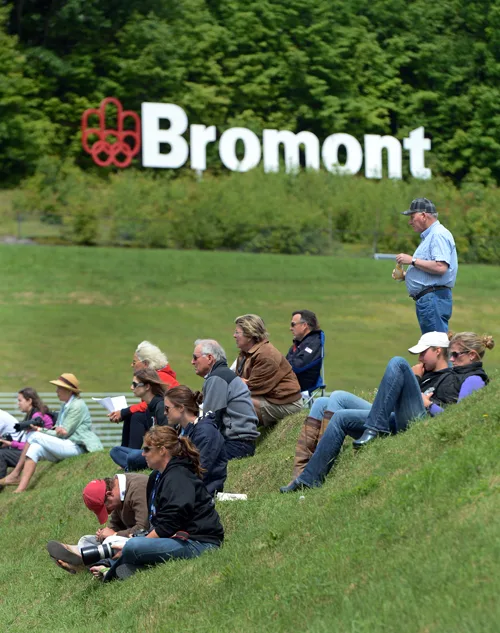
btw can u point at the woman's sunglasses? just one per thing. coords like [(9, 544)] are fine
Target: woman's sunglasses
[(455, 355), (137, 384), (147, 449)]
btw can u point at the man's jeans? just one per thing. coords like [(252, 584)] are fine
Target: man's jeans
[(434, 311), (131, 459), (236, 449), (141, 551), (398, 401)]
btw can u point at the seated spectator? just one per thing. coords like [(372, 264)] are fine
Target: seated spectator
[(36, 416), (7, 422), (305, 354), (72, 436), (147, 386), (228, 397), (183, 408), (273, 386), (146, 356), (405, 394), (183, 520), (123, 498)]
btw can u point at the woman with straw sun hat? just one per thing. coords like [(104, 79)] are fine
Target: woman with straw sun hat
[(72, 436)]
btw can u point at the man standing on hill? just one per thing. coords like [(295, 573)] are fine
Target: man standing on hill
[(432, 269)]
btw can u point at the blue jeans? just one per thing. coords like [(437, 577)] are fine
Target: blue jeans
[(434, 311), (141, 551), (236, 449), (398, 401), (337, 401), (400, 392), (130, 459)]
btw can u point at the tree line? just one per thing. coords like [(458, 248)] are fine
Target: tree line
[(354, 66)]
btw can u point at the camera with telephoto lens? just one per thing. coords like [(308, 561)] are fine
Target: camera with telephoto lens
[(7, 437), (26, 426), (94, 553)]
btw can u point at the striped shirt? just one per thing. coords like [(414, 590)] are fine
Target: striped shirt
[(437, 244)]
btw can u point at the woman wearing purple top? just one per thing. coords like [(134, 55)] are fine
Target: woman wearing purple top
[(403, 395)]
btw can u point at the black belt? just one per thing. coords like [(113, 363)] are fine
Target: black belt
[(427, 290)]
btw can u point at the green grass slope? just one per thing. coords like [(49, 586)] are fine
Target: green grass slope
[(84, 310), (403, 537)]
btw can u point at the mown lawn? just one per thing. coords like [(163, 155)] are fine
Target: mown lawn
[(84, 310), (402, 537)]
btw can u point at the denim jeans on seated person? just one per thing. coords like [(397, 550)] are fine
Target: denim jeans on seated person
[(398, 401), (141, 551), (399, 392), (337, 401), (130, 459)]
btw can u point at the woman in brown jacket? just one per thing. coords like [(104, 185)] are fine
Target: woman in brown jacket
[(274, 387)]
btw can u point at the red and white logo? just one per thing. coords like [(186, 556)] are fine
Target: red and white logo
[(113, 146)]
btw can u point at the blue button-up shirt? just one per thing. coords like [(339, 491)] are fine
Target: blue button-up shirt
[(437, 245)]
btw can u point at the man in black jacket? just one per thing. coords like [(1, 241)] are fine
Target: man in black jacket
[(305, 354)]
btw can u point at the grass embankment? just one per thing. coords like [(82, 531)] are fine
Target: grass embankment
[(84, 310), (402, 538)]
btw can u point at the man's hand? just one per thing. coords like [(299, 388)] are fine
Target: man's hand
[(6, 442), (116, 416), (418, 369), (404, 259), (61, 431), (103, 533), (118, 547)]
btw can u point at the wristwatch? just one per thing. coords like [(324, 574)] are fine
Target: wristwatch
[(414, 259)]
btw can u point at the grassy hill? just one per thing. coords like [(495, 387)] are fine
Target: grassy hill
[(403, 537), (84, 310)]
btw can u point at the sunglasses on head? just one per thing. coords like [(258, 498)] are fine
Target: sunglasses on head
[(137, 384)]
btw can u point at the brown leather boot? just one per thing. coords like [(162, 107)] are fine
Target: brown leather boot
[(312, 431)]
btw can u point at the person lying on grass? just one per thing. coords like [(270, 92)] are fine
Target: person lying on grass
[(72, 436), (404, 394), (123, 498), (183, 522)]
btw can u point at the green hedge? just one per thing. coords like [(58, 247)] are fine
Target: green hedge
[(311, 212)]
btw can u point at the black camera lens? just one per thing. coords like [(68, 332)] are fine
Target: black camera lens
[(94, 553)]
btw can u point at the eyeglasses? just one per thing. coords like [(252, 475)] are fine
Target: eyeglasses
[(455, 355), (147, 449), (293, 324), (137, 384), (236, 333), (199, 356)]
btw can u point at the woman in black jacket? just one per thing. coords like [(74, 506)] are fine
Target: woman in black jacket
[(183, 408), (147, 386), (182, 517)]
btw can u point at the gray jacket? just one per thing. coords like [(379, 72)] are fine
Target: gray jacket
[(228, 397)]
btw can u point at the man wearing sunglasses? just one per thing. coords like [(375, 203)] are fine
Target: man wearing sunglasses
[(227, 396), (432, 269), (305, 353)]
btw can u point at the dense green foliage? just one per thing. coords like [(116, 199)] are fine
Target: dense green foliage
[(354, 66), (85, 310), (402, 537), (312, 212)]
